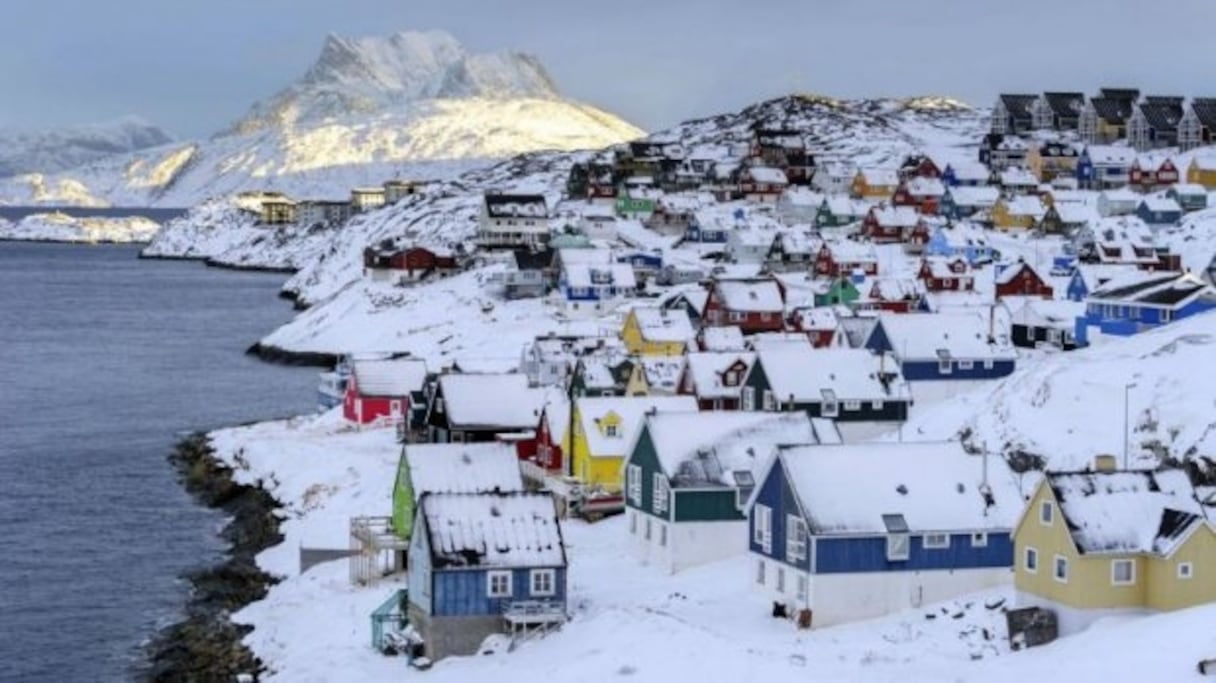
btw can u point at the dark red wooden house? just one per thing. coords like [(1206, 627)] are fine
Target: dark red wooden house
[(1020, 279), (753, 304)]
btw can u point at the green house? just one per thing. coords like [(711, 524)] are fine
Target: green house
[(601, 376), (688, 478), (450, 468), (634, 207), (840, 291)]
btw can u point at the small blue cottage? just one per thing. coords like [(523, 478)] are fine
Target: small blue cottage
[(850, 532), (481, 564), (945, 346), (1159, 210), (1142, 301)]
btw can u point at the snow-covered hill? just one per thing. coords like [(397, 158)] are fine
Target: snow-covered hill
[(59, 149), (414, 104), (58, 227)]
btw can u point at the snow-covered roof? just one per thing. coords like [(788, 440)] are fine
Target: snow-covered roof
[(969, 171), (707, 370), (1025, 205), (1121, 194), (662, 372), (1189, 189), (1018, 177), (941, 267), (698, 449), (927, 336), (843, 205), (662, 325), (725, 338), (1057, 313), (818, 318), (805, 374), (514, 205), (1012, 270), (389, 377), (490, 400), (1126, 511), (585, 275), (462, 468), (880, 488), (1164, 289), (505, 530), (1161, 203), (880, 177), (925, 187), (797, 195), (983, 197), (896, 216), (768, 175), (628, 411), (1076, 212), (1110, 155), (750, 295)]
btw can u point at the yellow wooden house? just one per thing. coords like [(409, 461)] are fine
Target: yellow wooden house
[(1202, 171), (1105, 542), (604, 430), (654, 331), (875, 183), (1021, 212), (1051, 160)]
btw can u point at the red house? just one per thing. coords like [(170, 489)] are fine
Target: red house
[(821, 326), (942, 275), (844, 258), (754, 305), (1019, 279), (893, 295), (763, 183), (544, 450), (918, 166), (715, 379), (412, 263), (889, 225), (1147, 175), (384, 391)]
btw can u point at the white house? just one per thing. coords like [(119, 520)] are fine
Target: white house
[(513, 220)]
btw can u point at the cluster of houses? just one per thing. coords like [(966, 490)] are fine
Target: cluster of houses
[(277, 208)]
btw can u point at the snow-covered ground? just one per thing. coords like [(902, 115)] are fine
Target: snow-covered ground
[(630, 621), (57, 227)]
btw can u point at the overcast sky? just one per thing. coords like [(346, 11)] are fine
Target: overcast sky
[(193, 66)]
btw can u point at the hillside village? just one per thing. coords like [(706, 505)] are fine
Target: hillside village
[(710, 350)]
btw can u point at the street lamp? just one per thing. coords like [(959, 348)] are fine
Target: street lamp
[(1127, 389)]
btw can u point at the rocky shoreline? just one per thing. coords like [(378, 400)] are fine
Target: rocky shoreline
[(274, 354), (206, 645), (212, 262)]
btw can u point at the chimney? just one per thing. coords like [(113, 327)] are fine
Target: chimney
[(1104, 463)]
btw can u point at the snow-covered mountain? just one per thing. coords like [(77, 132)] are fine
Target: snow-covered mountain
[(59, 149), (369, 109)]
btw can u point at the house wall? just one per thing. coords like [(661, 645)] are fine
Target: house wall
[(452, 636), (602, 469), (869, 554), (1166, 591), (688, 544), (403, 500), (776, 494), (930, 370), (842, 598), (631, 335), (464, 592)]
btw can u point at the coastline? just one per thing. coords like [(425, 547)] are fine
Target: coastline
[(274, 354), (82, 243), (206, 644)]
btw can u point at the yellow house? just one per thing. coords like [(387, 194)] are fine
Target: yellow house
[(1202, 171), (653, 331), (637, 384), (604, 430), (1022, 212), (1096, 543), (1051, 160), (875, 183)]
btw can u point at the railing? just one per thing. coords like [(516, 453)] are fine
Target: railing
[(392, 613), (535, 611)]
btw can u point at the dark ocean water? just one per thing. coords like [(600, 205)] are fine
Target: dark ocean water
[(104, 361)]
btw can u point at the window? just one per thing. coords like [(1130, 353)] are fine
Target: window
[(1031, 560), (633, 484), (937, 541), (633, 523), (804, 586), (735, 317), (898, 547), (966, 364), (660, 493), (780, 579), (875, 405), (439, 404), (542, 581), (830, 409), (769, 403), (988, 364), (944, 367), (762, 527), (979, 539), (852, 405), (1060, 569), (498, 584), (795, 539), (766, 316), (1166, 316), (760, 573), (1185, 570), (749, 398), (611, 430), (647, 528), (1046, 514), (1122, 572)]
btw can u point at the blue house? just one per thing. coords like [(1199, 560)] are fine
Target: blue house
[(484, 563), (945, 346), (965, 175), (582, 282), (849, 532), (1078, 289), (1159, 210), (1125, 306), (962, 241), (711, 227), (642, 261)]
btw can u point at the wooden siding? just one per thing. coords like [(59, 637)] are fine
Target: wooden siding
[(465, 592), (706, 505), (775, 492), (869, 554), (643, 456)]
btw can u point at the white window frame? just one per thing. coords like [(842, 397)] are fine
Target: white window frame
[(876, 405), (938, 541), (1185, 571), (1029, 554), (1131, 572), (612, 430), (830, 409), (542, 575), (795, 539), (633, 482), (659, 495), (1058, 561), (735, 317), (1047, 513), (893, 556), (966, 365), (492, 578), (945, 366), (770, 403), (852, 405), (762, 527), (979, 539), (989, 364), (749, 398)]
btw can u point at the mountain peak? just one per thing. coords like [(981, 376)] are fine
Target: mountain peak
[(372, 74)]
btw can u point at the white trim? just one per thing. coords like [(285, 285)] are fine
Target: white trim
[(1047, 513), (762, 527), (899, 547), (660, 493), (1189, 573), (492, 578), (937, 541), (1055, 568), (795, 538), (1131, 573), (633, 483), (979, 539), (535, 574)]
